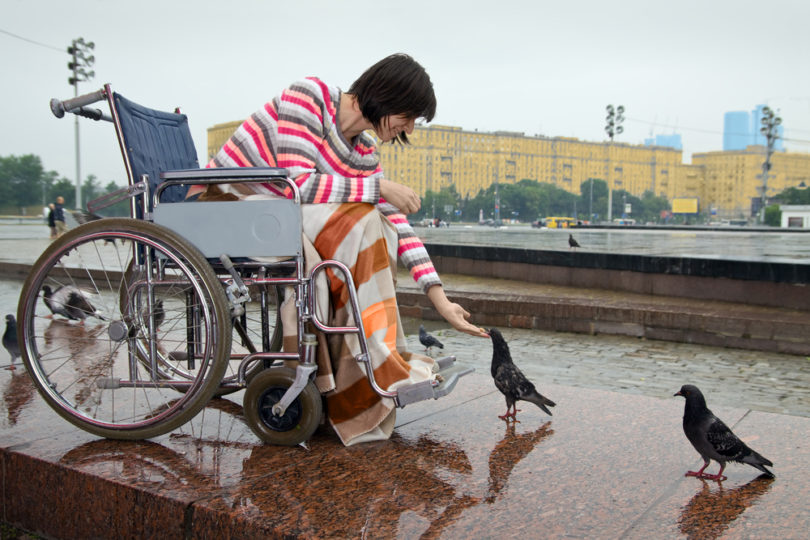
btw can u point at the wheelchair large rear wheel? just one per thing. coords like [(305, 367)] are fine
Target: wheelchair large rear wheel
[(300, 420), (132, 339)]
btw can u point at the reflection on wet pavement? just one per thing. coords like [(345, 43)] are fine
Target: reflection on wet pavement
[(17, 393), (606, 465), (508, 452), (709, 513)]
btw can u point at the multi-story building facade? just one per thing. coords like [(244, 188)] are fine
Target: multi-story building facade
[(732, 179), (442, 155), (439, 156)]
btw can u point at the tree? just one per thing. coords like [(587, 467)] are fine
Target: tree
[(22, 180), (435, 202), (64, 188), (773, 216), (794, 195)]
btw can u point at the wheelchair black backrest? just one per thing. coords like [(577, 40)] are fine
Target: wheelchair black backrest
[(153, 142)]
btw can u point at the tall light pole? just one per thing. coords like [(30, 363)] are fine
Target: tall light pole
[(770, 123), (79, 66), (614, 119)]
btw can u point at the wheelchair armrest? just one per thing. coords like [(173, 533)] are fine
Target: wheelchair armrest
[(226, 175)]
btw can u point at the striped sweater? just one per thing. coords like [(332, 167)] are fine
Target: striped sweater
[(298, 131)]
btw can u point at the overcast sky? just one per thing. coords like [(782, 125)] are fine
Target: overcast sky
[(533, 66)]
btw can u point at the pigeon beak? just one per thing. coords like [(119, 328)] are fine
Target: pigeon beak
[(678, 393)]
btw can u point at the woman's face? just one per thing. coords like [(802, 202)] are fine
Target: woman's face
[(394, 124)]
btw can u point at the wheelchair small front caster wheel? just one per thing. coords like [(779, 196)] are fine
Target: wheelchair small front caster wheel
[(301, 418)]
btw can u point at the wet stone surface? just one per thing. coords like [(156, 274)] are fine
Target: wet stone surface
[(608, 464)]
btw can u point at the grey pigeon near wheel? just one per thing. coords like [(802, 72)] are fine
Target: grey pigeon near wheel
[(713, 439), (10, 340), (512, 383), (572, 243), (69, 302), (427, 340)]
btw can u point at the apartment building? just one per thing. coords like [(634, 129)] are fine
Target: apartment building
[(442, 155)]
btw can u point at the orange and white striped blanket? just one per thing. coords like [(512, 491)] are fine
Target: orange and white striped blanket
[(359, 236)]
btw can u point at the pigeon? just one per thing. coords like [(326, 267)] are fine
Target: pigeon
[(10, 340), (713, 439), (85, 217), (427, 340), (572, 243), (69, 302), (511, 381)]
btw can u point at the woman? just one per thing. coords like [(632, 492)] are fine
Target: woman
[(355, 215)]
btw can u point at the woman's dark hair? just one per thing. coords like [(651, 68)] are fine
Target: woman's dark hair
[(396, 84)]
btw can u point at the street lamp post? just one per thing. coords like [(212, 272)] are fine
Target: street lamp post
[(770, 123), (79, 66), (614, 119)]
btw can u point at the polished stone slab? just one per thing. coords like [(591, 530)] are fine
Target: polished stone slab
[(606, 465)]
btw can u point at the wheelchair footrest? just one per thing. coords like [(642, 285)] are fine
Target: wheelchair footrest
[(449, 373)]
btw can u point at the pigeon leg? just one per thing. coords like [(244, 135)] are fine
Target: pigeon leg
[(512, 415), (699, 473), (719, 476)]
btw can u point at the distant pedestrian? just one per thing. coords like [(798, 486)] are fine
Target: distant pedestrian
[(59, 216), (52, 220)]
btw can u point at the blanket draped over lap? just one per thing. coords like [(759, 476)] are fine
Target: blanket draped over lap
[(359, 236)]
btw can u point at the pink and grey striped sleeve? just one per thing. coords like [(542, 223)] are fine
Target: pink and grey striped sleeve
[(411, 250), (304, 109)]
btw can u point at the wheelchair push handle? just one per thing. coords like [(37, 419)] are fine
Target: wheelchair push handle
[(76, 105)]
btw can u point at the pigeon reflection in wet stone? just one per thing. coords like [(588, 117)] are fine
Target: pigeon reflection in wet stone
[(511, 381), (427, 340), (10, 340), (572, 243), (713, 439), (69, 302)]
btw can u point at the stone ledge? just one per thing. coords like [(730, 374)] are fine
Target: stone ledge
[(741, 327)]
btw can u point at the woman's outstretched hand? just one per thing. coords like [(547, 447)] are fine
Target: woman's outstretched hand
[(453, 313)]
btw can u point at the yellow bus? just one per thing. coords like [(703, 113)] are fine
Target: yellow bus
[(559, 222)]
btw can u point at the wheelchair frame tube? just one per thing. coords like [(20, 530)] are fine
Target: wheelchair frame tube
[(357, 329)]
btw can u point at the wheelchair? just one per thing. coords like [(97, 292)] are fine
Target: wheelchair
[(129, 326)]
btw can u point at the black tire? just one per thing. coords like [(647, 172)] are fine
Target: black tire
[(301, 418), (78, 366)]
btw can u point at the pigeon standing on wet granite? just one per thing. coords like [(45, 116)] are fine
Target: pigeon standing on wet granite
[(10, 340), (713, 439), (70, 302), (572, 243), (511, 381), (427, 340)]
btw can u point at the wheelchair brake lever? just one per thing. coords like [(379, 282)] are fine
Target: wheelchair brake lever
[(237, 292)]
